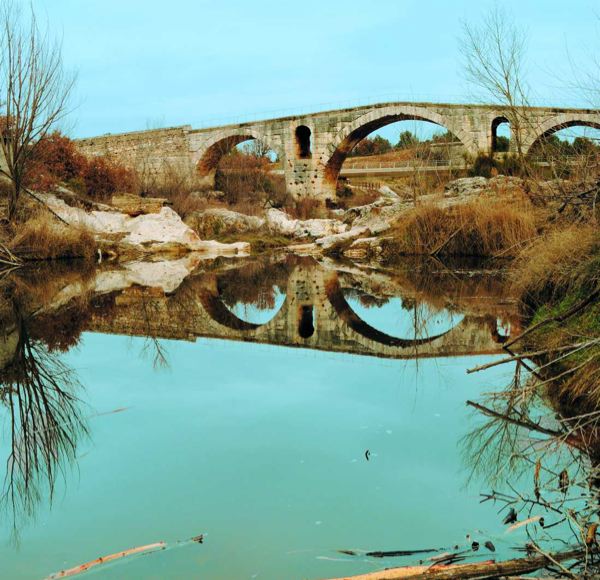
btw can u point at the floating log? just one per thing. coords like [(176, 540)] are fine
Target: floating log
[(478, 571)]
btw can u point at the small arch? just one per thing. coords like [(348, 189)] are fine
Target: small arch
[(500, 135), (306, 326), (303, 142)]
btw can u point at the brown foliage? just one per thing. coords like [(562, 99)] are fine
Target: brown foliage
[(56, 160), (246, 178), (102, 178)]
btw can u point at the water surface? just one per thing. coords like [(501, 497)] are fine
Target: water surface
[(195, 415)]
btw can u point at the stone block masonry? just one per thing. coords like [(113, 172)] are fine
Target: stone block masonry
[(312, 148)]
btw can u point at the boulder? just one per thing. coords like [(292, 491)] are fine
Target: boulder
[(219, 221), (363, 248), (387, 193), (162, 232), (135, 205), (339, 240), (466, 186), (210, 195), (380, 218), (506, 184), (278, 222)]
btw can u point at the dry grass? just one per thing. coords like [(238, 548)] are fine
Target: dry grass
[(558, 279), (550, 264), (44, 238), (479, 228)]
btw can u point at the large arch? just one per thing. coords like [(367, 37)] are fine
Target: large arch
[(352, 133), (338, 301), (207, 158), (554, 124)]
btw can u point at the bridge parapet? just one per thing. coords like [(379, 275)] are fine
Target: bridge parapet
[(312, 148)]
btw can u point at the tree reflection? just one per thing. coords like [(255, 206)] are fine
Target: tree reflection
[(541, 461), (254, 283), (44, 420)]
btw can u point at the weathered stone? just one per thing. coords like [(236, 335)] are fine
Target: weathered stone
[(506, 184), (363, 248), (162, 232), (209, 195), (135, 205), (219, 222), (380, 219), (466, 186), (388, 194), (311, 170), (279, 222), (339, 240)]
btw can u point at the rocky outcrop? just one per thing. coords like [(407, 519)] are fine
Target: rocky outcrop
[(381, 218), (329, 243), (219, 222), (465, 186), (363, 248), (163, 232), (134, 205), (278, 222)]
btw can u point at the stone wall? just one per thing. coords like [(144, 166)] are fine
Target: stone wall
[(152, 152)]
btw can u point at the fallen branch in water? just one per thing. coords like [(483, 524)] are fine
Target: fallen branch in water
[(398, 553), (105, 559), (147, 549), (527, 355), (8, 258), (479, 571)]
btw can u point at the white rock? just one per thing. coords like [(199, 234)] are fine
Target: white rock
[(328, 242), (280, 223), (149, 233)]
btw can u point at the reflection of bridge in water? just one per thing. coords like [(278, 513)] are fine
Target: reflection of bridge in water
[(315, 314)]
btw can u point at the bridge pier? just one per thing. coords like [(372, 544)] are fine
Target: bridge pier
[(312, 148)]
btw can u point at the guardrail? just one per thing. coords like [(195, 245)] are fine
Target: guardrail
[(348, 164)]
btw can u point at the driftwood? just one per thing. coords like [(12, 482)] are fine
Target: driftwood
[(477, 571), (398, 553), (147, 549), (105, 559)]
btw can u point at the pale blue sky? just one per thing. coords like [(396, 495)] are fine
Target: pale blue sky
[(147, 63)]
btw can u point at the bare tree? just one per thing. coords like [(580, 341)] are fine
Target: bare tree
[(34, 92), (494, 57)]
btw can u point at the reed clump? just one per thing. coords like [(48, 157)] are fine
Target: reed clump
[(479, 228), (43, 237)]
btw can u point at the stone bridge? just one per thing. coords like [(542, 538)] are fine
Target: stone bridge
[(314, 315), (313, 147)]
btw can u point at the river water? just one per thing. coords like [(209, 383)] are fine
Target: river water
[(285, 409)]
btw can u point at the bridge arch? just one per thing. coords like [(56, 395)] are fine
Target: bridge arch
[(335, 295), (207, 158), (557, 123), (352, 133)]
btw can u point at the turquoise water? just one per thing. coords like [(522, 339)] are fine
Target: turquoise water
[(261, 448), (280, 451)]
